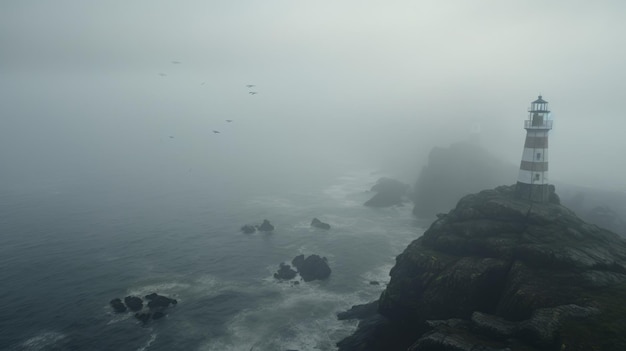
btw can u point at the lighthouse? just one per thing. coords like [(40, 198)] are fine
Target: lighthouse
[(532, 182)]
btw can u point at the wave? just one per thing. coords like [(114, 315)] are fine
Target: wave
[(304, 318), (300, 317), (41, 341), (148, 343)]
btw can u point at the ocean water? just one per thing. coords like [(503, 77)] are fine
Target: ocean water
[(66, 251)]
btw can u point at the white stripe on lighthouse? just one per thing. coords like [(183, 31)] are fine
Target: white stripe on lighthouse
[(530, 177)]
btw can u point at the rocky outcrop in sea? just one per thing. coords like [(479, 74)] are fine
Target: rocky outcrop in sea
[(316, 223), (389, 192), (501, 273), (312, 267), (156, 306), (266, 226)]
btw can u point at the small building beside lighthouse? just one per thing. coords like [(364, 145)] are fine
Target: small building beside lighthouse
[(532, 182)]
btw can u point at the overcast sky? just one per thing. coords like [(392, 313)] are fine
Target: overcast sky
[(340, 83)]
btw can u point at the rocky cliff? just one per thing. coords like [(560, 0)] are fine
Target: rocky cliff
[(499, 273), (455, 171)]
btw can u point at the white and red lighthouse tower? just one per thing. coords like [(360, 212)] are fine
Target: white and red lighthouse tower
[(532, 182)]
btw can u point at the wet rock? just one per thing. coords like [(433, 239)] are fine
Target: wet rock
[(311, 268), (158, 302), (285, 272), (493, 326), (389, 192), (133, 303), (360, 311), (316, 223), (143, 317), (117, 305), (266, 226), (248, 229), (158, 315), (519, 275)]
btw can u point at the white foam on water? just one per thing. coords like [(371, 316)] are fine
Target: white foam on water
[(379, 274), (41, 341), (349, 189), (205, 284), (153, 337), (117, 317), (303, 317), (303, 225), (169, 289)]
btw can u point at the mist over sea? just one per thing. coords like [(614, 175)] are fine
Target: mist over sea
[(137, 137), (68, 248)]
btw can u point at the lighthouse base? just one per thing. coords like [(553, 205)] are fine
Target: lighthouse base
[(535, 192)]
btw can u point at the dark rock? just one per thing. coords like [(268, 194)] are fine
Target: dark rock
[(374, 283), (450, 341), (158, 315), (389, 192), (298, 261), (117, 305), (519, 275), (285, 272), (133, 303), (265, 226), (360, 311), (313, 267), (151, 296), (553, 197), (319, 224), (543, 328), (158, 302), (144, 317), (248, 229), (493, 326)]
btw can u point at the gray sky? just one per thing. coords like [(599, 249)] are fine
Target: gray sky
[(341, 83)]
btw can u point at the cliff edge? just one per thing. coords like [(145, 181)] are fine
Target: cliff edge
[(500, 273)]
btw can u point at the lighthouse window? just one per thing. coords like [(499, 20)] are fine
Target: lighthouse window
[(539, 155), (536, 176)]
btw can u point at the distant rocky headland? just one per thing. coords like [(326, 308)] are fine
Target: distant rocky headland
[(500, 273), (464, 168)]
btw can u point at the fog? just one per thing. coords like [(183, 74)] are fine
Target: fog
[(129, 93)]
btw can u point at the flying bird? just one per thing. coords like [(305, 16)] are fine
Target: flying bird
[(162, 74), (202, 83), (171, 137), (176, 62), (229, 120), (252, 92), (250, 85), (216, 131)]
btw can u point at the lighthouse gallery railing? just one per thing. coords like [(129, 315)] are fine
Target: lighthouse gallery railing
[(545, 125)]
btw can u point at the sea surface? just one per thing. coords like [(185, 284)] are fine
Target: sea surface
[(68, 248)]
